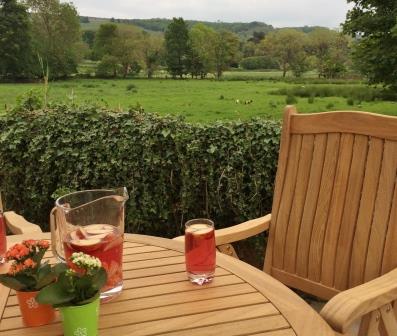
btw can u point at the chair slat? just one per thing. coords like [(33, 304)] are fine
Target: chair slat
[(350, 211), (302, 258), (381, 211), (323, 205), (364, 219), (286, 201), (390, 252), (300, 193), (336, 209)]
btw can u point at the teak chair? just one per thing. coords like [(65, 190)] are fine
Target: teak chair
[(333, 226)]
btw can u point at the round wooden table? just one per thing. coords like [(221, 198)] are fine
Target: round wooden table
[(157, 299)]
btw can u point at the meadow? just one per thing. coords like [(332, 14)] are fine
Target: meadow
[(201, 101)]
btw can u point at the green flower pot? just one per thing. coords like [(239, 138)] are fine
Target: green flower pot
[(81, 320)]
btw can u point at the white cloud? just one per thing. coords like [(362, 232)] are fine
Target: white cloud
[(279, 13)]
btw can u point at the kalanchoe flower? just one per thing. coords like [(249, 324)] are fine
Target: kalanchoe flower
[(27, 272), (85, 261), (79, 282), (29, 263), (17, 252)]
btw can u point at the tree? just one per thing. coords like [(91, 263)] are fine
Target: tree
[(123, 43), (202, 56), (152, 49), (89, 37), (108, 67), (105, 39), (374, 24), (286, 46), (176, 47), (15, 40), (226, 47), (331, 51), (127, 47), (56, 35)]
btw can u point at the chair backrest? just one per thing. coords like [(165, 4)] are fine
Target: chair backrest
[(334, 216)]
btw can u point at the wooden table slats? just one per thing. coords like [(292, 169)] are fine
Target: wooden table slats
[(157, 299)]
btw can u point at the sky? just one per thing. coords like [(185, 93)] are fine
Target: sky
[(279, 13)]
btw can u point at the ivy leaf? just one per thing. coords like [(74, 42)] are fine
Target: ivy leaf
[(165, 133), (212, 149)]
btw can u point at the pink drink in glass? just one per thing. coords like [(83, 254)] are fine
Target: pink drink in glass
[(200, 250), (104, 242), (3, 241)]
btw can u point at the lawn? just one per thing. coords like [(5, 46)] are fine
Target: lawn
[(197, 100)]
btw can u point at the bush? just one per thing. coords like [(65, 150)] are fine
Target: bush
[(350, 101), (258, 62), (358, 92), (108, 67), (310, 100), (173, 170), (290, 100), (131, 87), (330, 106)]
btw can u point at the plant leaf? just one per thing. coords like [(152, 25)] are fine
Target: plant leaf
[(59, 268), (11, 282), (99, 279), (54, 295)]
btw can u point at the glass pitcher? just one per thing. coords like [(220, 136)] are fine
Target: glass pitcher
[(92, 222)]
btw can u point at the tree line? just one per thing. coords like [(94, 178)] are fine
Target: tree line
[(202, 50), (36, 35)]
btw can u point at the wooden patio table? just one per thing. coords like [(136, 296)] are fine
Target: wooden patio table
[(157, 299)]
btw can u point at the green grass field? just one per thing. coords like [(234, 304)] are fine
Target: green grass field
[(197, 100)]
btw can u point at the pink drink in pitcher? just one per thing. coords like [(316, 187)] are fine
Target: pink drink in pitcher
[(102, 241)]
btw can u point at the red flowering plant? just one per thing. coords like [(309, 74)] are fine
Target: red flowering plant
[(27, 272)]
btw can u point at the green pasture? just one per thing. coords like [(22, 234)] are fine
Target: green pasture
[(197, 100)]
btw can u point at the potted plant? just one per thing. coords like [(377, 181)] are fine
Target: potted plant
[(76, 294), (27, 275)]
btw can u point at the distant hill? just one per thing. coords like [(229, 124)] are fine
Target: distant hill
[(243, 29)]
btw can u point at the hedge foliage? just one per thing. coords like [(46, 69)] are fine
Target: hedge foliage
[(173, 170)]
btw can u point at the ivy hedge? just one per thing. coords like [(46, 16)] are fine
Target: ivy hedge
[(173, 170)]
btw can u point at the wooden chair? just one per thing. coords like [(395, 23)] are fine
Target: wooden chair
[(16, 223), (333, 226)]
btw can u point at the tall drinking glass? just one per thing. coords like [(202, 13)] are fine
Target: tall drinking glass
[(92, 222), (200, 250)]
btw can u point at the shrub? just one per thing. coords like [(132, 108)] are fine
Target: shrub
[(108, 67), (358, 92), (350, 101), (310, 100), (131, 87), (258, 62), (290, 100), (173, 170), (329, 106)]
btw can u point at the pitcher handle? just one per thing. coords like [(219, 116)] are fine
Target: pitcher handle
[(55, 237)]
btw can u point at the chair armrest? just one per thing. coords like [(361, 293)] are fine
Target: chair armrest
[(19, 225), (240, 231), (346, 307)]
